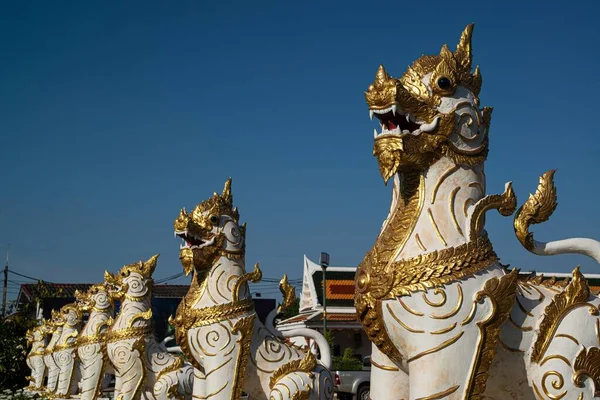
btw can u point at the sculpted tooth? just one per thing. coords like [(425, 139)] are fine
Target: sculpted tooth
[(430, 127), (407, 117), (406, 131), (371, 114), (394, 109)]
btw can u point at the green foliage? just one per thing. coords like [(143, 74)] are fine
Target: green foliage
[(13, 344), (347, 362), (291, 311), (42, 290), (13, 350), (330, 339)]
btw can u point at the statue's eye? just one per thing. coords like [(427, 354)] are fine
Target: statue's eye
[(444, 83), (214, 219)]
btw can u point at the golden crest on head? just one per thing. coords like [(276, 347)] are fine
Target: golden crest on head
[(111, 279), (410, 90), (146, 269), (215, 206)]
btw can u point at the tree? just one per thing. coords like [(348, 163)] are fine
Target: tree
[(291, 311), (347, 362), (13, 344), (13, 350)]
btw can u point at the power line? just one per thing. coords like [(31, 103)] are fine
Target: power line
[(170, 278), (24, 276)]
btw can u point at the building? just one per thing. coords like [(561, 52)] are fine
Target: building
[(341, 314)]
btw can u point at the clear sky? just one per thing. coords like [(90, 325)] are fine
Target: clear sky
[(114, 115)]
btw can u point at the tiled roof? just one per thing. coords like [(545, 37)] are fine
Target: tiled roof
[(340, 287), (63, 290), (335, 317), (297, 318), (318, 318)]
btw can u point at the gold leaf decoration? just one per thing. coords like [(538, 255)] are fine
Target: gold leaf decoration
[(143, 315), (254, 276), (587, 364), (387, 149), (505, 203), (412, 81), (302, 394), (463, 51), (372, 281), (501, 292), (440, 267), (289, 294), (306, 364), (244, 328), (382, 92), (537, 209), (576, 294)]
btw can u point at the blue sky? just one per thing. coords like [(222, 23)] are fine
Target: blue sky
[(113, 115)]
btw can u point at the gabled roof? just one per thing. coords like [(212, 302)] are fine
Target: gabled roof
[(340, 286)]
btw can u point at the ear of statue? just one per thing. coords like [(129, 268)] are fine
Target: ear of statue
[(110, 278), (226, 196), (446, 54), (463, 52), (150, 265)]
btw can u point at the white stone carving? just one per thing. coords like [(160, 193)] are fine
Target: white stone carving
[(216, 318), (143, 367)]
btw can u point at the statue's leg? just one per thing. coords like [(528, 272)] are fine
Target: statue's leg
[(166, 386), (567, 367), (30, 378), (39, 369), (388, 381), (92, 371), (127, 359), (118, 383), (447, 336), (65, 360), (199, 389), (223, 350), (53, 371), (176, 384), (296, 384), (185, 381), (325, 385)]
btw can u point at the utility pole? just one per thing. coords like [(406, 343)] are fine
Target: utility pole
[(5, 284), (324, 261)]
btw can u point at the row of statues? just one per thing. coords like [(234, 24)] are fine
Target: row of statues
[(224, 349), (447, 320)]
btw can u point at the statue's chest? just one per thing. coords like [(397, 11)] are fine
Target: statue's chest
[(439, 319)]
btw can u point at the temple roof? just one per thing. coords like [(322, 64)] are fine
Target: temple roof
[(340, 286)]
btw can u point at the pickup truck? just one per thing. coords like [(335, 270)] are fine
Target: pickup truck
[(354, 384)]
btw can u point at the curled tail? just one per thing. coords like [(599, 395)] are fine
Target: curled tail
[(537, 209), (289, 298)]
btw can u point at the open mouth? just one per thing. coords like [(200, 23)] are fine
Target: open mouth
[(191, 241), (394, 121)]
